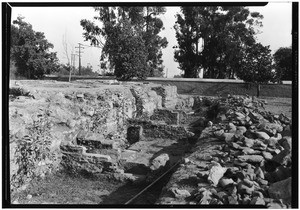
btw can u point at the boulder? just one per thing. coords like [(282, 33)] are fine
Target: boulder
[(216, 173), (159, 161)]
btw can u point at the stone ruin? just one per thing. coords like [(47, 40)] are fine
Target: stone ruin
[(243, 157), (95, 124)]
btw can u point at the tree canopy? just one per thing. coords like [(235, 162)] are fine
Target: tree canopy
[(283, 63), (256, 66), (214, 38), (144, 22), (30, 51)]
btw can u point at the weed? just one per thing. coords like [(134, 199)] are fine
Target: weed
[(33, 155)]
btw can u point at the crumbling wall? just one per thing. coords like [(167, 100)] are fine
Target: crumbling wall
[(102, 110)]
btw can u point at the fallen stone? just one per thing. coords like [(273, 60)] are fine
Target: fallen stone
[(238, 135), (259, 145), (272, 142), (257, 194), (255, 117), (250, 151), (248, 142), (284, 119), (262, 135), (246, 200), (240, 163), (281, 189), (248, 183), (258, 201), (244, 189), (287, 131), (216, 173), (205, 196), (222, 196), (231, 128), (225, 182), (159, 161), (251, 158), (219, 133), (270, 128), (243, 129), (286, 143), (259, 173), (177, 193), (235, 145), (262, 181), (228, 137), (233, 200)]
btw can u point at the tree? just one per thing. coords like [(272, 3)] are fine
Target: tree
[(257, 66), (283, 63), (214, 38), (30, 51), (127, 52), (144, 22)]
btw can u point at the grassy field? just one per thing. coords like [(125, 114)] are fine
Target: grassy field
[(220, 88)]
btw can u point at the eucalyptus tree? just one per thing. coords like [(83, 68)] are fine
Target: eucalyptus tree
[(144, 22), (214, 38)]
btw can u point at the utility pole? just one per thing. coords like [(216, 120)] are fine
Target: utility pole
[(72, 65), (79, 52)]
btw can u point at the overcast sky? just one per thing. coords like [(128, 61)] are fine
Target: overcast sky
[(57, 22)]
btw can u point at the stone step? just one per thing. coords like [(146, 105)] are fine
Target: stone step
[(96, 141)]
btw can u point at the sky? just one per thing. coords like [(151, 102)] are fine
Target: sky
[(60, 22)]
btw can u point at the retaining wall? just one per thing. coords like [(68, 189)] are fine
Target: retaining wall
[(206, 87)]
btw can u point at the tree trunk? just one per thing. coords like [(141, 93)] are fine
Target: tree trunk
[(258, 90)]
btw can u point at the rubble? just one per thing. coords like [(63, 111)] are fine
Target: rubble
[(255, 165)]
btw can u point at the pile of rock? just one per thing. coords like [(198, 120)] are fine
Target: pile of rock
[(245, 159)]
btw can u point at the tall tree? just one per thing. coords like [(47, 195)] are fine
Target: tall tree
[(30, 51), (214, 38), (283, 63), (257, 67), (144, 20)]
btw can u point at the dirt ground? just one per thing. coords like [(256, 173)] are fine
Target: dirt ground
[(279, 105)]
